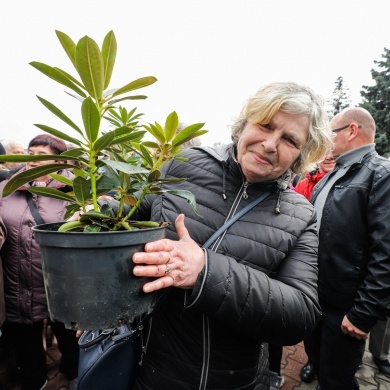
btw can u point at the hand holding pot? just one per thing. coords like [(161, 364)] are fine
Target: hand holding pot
[(173, 263)]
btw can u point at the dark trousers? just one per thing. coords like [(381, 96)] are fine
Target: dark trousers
[(336, 356), (275, 353), (26, 341)]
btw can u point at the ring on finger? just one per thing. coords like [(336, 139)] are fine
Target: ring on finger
[(170, 257), (167, 270)]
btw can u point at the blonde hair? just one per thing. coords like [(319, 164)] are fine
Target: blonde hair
[(291, 98)]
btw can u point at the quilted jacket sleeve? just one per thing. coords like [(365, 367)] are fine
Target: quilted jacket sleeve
[(281, 310)]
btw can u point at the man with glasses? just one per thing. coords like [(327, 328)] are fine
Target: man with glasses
[(353, 206)]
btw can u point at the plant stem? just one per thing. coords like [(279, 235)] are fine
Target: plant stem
[(92, 161), (135, 207)]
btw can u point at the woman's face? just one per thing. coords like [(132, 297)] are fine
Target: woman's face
[(265, 152), (327, 164), (40, 150)]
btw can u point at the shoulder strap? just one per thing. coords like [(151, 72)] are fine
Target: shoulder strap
[(233, 219), (33, 208)]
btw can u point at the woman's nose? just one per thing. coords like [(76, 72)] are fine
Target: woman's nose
[(270, 143)]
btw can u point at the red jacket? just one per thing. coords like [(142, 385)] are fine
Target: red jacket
[(305, 186)]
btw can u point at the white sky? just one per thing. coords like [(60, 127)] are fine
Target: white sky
[(208, 55)]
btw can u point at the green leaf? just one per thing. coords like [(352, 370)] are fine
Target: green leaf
[(109, 53), (136, 84), (157, 132), (62, 179), (31, 174), (104, 141), (154, 176), (59, 134), (134, 97), (187, 195), (91, 119), (125, 167), (94, 214), (71, 209), (58, 76), (89, 65), (74, 153), (108, 211), (68, 45), (82, 189), (51, 193), (126, 138), (71, 225), (188, 133), (146, 155), (151, 145), (171, 125), (108, 181), (190, 137), (71, 78), (30, 157), (92, 229), (80, 172), (59, 114)]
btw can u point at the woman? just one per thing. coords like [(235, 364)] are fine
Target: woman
[(25, 297), (305, 186), (258, 283)]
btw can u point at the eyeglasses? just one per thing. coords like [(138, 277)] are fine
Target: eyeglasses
[(343, 128), (340, 128)]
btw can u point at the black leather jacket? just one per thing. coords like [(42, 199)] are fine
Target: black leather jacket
[(354, 249), (259, 283)]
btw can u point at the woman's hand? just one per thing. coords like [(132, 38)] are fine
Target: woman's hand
[(173, 263)]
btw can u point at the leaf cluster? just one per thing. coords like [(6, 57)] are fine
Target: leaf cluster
[(116, 159)]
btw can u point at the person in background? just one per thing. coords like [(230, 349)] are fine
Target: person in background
[(257, 283), (353, 217), (7, 169), (25, 297), (306, 185), (379, 346), (3, 236), (4, 171), (12, 147)]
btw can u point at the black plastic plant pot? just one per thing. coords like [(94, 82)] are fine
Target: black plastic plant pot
[(89, 277)]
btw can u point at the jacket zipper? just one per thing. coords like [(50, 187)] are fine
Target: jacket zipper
[(206, 353), (245, 194), (206, 324)]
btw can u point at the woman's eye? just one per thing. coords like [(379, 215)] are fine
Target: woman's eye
[(290, 141), (266, 126)]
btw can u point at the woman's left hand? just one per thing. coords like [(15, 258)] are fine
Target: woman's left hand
[(173, 263)]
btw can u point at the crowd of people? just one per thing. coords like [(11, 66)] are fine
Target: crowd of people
[(310, 262)]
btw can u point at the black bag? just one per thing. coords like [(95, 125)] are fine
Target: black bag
[(108, 358)]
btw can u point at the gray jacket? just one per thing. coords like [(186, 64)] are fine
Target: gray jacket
[(259, 283), (25, 296)]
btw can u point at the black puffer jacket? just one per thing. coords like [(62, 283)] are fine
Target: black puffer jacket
[(355, 242), (258, 285)]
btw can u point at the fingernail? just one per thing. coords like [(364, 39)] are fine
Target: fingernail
[(136, 271)]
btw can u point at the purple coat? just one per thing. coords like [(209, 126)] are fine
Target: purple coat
[(25, 297)]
